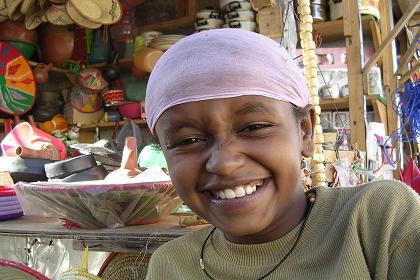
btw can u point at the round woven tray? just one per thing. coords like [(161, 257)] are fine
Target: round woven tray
[(16, 271), (125, 266)]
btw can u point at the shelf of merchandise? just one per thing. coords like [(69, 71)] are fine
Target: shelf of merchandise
[(342, 103), (141, 122), (122, 239), (376, 102), (102, 124), (334, 30)]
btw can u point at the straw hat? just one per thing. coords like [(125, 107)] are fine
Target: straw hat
[(125, 266), (78, 18), (100, 11), (27, 6), (57, 14), (4, 5), (13, 11), (33, 19)]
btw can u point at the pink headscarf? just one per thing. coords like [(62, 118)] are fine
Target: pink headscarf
[(223, 63)]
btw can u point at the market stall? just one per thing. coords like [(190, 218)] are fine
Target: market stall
[(78, 162)]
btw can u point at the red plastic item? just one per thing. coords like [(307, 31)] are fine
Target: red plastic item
[(24, 135), (411, 175)]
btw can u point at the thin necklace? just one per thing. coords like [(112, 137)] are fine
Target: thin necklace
[(311, 199)]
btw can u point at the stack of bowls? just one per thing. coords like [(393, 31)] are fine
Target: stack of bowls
[(9, 204), (238, 14), (208, 19)]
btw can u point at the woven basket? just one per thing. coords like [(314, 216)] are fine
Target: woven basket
[(80, 273), (125, 266), (16, 271)]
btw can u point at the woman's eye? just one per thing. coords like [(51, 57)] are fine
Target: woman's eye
[(186, 142), (255, 127)]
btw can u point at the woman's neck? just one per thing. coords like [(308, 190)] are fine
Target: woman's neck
[(283, 224)]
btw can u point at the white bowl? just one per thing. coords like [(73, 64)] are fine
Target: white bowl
[(229, 5), (209, 14), (149, 35), (243, 24), (208, 23), (240, 15)]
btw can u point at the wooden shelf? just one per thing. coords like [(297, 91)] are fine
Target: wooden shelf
[(334, 30), (343, 102), (141, 122), (123, 239)]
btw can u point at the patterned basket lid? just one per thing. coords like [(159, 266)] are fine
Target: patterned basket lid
[(17, 83), (99, 11), (125, 266), (57, 14), (78, 18), (92, 79)]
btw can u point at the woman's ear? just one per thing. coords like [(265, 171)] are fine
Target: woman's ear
[(307, 124)]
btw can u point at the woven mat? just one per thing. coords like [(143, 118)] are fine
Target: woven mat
[(125, 266)]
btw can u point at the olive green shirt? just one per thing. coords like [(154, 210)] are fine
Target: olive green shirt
[(368, 232)]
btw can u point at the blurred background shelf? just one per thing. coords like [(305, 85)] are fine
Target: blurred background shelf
[(334, 30)]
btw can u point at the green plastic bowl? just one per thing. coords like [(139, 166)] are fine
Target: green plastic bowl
[(26, 49)]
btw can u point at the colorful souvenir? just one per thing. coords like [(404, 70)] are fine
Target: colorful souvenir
[(17, 83)]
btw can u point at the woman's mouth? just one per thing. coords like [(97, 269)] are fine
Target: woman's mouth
[(239, 191)]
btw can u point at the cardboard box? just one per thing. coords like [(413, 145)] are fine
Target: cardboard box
[(74, 116), (259, 4), (270, 22)]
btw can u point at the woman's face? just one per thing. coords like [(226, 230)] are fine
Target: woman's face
[(236, 163)]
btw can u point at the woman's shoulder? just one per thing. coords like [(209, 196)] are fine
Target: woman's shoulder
[(376, 192)]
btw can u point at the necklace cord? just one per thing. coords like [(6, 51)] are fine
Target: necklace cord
[(302, 228)]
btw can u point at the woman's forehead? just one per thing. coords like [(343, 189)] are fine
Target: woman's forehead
[(232, 108)]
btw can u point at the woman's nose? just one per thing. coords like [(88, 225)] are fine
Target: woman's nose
[(224, 159)]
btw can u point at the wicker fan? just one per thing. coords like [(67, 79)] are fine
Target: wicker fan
[(125, 266), (16, 271)]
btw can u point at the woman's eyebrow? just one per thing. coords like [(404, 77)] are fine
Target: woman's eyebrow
[(177, 125), (254, 107)]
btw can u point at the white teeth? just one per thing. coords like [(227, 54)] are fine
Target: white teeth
[(239, 191), (229, 194), (249, 190)]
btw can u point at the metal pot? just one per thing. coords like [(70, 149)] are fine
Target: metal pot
[(318, 12), (319, 2)]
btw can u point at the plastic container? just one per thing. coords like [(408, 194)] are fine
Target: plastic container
[(130, 110)]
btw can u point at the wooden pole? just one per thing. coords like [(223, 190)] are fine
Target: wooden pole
[(354, 40)]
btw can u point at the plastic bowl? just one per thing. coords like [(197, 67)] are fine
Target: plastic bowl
[(130, 110)]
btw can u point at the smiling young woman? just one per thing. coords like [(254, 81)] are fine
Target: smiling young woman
[(231, 111)]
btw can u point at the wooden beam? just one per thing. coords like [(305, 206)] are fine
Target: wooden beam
[(354, 45), (376, 34), (407, 55), (389, 79), (407, 75), (391, 36), (379, 109)]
